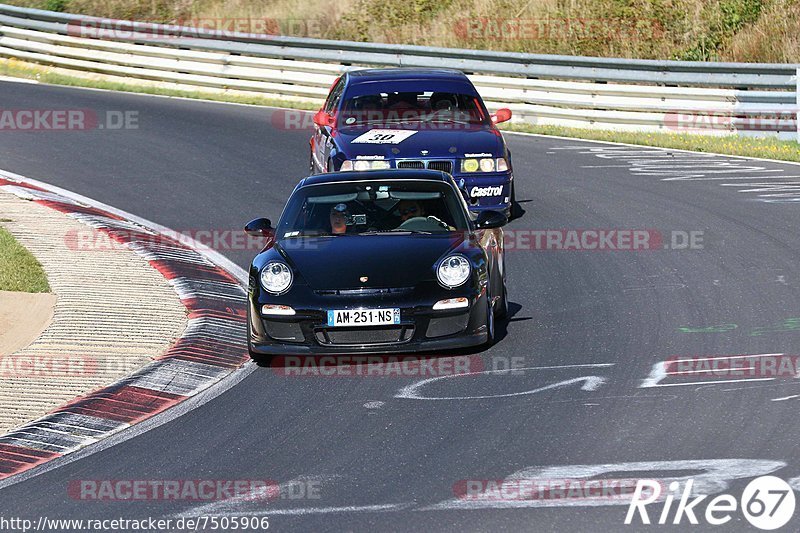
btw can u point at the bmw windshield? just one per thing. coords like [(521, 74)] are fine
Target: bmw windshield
[(370, 207), (413, 108)]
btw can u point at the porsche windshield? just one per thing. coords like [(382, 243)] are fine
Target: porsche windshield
[(370, 207), (412, 108)]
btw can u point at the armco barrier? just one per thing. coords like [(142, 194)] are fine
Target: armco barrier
[(622, 94)]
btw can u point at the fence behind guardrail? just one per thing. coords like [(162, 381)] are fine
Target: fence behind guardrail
[(585, 92)]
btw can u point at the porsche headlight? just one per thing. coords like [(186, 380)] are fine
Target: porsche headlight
[(453, 271), (365, 164), (484, 164), (276, 278)]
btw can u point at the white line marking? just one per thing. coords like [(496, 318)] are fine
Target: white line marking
[(726, 357), (781, 177), (299, 511), (11, 79), (259, 499), (715, 477), (688, 372), (591, 383), (659, 372), (345, 509), (786, 398), (605, 166), (611, 145), (710, 382)]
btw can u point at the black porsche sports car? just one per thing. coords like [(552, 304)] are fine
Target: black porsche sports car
[(373, 262)]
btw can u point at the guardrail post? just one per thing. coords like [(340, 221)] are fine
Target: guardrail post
[(797, 101)]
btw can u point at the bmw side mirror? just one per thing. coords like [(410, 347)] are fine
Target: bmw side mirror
[(491, 219), (260, 227), (501, 115), (321, 118)]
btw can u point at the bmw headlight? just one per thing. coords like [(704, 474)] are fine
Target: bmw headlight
[(453, 271), (485, 164), (365, 164), (276, 278)]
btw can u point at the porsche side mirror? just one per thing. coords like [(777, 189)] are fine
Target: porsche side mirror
[(491, 219), (260, 227), (321, 118), (501, 115)]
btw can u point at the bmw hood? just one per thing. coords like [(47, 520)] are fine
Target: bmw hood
[(398, 260), (410, 143)]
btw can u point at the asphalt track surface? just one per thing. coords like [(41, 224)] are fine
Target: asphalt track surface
[(605, 316)]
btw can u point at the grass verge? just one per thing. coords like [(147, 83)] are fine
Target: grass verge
[(19, 270), (766, 148)]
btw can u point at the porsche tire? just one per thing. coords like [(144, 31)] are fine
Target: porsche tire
[(501, 307), (489, 323)]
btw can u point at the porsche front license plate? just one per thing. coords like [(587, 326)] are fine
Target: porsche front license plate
[(363, 317)]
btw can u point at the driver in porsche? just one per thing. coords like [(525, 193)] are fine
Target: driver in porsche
[(409, 209)]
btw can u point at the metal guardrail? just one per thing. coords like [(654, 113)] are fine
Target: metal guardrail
[(625, 94)]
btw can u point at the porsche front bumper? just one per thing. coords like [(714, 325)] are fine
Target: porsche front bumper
[(421, 329)]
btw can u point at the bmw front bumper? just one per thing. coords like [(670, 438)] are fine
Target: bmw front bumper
[(487, 191)]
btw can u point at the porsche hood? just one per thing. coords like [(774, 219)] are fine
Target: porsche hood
[(341, 262)]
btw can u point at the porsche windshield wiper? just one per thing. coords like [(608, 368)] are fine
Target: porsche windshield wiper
[(401, 230), (395, 231)]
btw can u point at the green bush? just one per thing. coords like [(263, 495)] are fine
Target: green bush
[(54, 5), (724, 19)]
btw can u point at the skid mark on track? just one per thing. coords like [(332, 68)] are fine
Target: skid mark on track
[(266, 500)]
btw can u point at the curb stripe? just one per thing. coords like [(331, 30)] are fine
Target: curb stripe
[(212, 346)]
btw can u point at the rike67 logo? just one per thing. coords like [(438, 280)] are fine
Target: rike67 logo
[(767, 503)]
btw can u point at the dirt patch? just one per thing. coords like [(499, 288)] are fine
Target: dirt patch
[(23, 317)]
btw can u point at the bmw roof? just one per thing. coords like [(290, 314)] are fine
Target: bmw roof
[(374, 175), (404, 73), (407, 79)]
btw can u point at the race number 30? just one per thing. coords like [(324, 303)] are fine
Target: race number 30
[(383, 137)]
